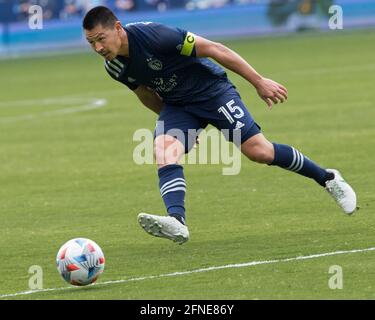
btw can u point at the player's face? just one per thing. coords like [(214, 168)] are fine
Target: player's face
[(105, 41)]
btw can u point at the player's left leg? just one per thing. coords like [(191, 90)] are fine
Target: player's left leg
[(228, 112), (257, 148)]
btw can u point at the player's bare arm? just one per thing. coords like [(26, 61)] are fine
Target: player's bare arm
[(149, 98), (270, 91)]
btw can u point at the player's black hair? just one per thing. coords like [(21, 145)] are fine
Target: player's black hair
[(99, 16)]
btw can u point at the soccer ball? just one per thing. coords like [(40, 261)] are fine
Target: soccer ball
[(80, 261)]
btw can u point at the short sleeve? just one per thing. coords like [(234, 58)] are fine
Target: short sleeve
[(169, 40), (115, 72)]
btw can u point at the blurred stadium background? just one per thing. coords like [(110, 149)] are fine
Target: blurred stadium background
[(68, 173), (62, 18)]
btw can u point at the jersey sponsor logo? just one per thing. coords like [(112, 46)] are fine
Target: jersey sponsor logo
[(154, 64), (165, 85), (188, 45)]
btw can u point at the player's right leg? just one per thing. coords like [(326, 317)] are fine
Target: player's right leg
[(168, 151), (171, 143)]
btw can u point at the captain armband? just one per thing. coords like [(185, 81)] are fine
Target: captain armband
[(188, 46)]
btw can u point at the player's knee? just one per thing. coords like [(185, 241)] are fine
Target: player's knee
[(167, 150), (160, 154)]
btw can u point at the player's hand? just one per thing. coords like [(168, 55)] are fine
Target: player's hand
[(271, 91)]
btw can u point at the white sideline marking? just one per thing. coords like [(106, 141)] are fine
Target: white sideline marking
[(84, 104), (182, 273), (58, 100)]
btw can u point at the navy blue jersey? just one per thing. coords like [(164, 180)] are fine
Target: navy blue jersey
[(164, 59)]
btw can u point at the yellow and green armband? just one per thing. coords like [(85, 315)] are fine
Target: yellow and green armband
[(188, 46)]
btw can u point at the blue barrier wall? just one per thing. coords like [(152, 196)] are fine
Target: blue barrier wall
[(229, 21)]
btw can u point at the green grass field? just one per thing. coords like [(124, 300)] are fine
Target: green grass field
[(71, 174)]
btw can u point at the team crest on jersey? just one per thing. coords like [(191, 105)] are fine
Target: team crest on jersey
[(154, 64)]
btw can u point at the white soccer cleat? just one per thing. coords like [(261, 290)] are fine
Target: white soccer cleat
[(164, 227), (342, 192)]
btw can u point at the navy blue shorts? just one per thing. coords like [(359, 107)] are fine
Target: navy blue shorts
[(226, 112)]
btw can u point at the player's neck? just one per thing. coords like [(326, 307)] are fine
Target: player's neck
[(124, 49)]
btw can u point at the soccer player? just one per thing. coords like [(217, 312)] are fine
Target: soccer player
[(169, 70)]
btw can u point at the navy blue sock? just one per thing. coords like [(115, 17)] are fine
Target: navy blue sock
[(172, 189), (291, 159)]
